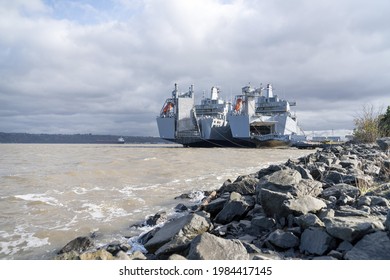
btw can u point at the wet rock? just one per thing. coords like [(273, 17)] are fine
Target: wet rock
[(351, 229), (160, 217), (303, 205), (284, 240), (79, 244), (181, 208), (316, 241), (115, 247), (375, 246), (210, 247), (187, 226)]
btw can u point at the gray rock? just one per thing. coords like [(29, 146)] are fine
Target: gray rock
[(387, 222), (375, 246), (344, 247), (284, 240), (176, 257), (233, 210), (281, 181), (316, 241), (176, 245), (243, 185), (305, 173), (100, 254), (215, 206), (340, 189), (188, 226), (210, 247), (308, 187), (303, 205), (348, 211), (309, 220), (364, 201), (379, 201), (350, 228), (382, 190), (371, 169), (160, 217), (261, 223), (335, 177), (272, 202), (79, 244), (384, 144)]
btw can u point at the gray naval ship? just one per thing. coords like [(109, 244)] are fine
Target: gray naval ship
[(254, 120), (264, 119)]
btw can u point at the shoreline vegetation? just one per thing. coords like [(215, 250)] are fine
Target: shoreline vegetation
[(332, 204)]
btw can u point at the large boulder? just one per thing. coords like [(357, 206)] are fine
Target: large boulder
[(243, 185), (281, 181), (303, 205), (210, 247), (351, 229), (186, 228), (272, 202), (375, 246), (316, 241)]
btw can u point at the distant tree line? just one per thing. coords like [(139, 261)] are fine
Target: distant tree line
[(75, 139), (371, 124)]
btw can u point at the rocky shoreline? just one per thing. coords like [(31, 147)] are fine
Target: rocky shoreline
[(333, 204)]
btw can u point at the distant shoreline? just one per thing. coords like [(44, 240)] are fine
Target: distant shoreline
[(27, 138)]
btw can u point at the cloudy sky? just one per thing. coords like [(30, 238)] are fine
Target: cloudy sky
[(106, 67)]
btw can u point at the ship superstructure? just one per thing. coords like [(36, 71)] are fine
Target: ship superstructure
[(203, 125), (255, 119), (263, 118)]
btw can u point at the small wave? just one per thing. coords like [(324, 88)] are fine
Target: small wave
[(150, 158), (102, 213), (20, 241), (39, 197)]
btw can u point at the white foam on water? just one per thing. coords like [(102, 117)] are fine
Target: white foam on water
[(19, 241), (39, 197)]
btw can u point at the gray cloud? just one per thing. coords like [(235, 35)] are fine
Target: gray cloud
[(107, 67)]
